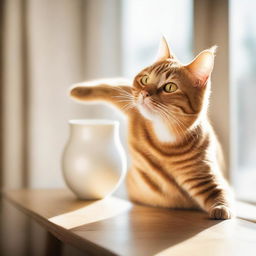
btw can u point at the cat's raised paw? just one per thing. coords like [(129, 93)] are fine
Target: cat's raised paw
[(220, 212), (80, 92)]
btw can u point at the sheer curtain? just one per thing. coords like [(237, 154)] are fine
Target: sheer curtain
[(46, 46)]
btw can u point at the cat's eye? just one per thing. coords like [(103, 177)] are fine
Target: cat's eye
[(170, 87), (144, 80)]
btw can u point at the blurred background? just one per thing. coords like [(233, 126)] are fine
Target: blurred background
[(46, 45)]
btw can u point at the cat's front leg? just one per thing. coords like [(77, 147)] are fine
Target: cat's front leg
[(209, 190), (218, 201), (114, 91)]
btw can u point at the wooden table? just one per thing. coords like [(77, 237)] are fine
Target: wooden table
[(116, 227)]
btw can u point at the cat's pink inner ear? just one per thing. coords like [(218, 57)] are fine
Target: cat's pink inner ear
[(201, 67), (164, 52)]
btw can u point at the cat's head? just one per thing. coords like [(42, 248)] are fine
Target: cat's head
[(172, 91)]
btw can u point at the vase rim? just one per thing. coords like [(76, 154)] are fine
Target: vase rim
[(93, 122)]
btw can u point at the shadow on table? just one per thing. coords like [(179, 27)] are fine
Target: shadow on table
[(144, 230)]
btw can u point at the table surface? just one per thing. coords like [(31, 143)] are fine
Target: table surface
[(114, 226)]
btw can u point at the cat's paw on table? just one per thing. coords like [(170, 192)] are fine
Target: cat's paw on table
[(220, 212)]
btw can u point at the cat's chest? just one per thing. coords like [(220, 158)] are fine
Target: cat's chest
[(153, 142), (163, 133)]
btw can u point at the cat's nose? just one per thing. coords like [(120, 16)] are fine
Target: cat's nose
[(144, 93)]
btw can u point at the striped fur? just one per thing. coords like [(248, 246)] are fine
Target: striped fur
[(184, 172)]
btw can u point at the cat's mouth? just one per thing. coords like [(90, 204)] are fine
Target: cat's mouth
[(145, 103), (146, 108)]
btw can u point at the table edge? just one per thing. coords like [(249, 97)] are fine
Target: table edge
[(55, 230)]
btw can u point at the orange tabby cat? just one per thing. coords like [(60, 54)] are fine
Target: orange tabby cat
[(176, 157)]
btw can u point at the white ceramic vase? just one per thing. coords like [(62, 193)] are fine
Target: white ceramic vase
[(94, 161)]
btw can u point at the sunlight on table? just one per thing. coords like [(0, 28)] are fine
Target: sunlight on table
[(94, 211)]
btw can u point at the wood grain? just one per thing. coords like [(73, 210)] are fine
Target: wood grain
[(116, 227)]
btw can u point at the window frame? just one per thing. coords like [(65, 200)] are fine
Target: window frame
[(211, 27)]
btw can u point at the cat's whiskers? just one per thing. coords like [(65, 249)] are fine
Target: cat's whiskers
[(180, 128), (163, 108), (193, 133), (128, 107), (181, 124), (166, 114), (164, 117), (173, 114), (186, 131), (124, 96), (163, 113), (124, 100), (123, 92)]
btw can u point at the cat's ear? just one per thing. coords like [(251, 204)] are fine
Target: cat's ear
[(201, 67), (164, 52)]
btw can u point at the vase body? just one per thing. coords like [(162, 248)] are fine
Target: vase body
[(93, 162)]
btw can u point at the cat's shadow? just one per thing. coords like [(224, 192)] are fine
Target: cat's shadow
[(142, 230)]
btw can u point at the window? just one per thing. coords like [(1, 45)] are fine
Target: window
[(145, 21), (243, 89)]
